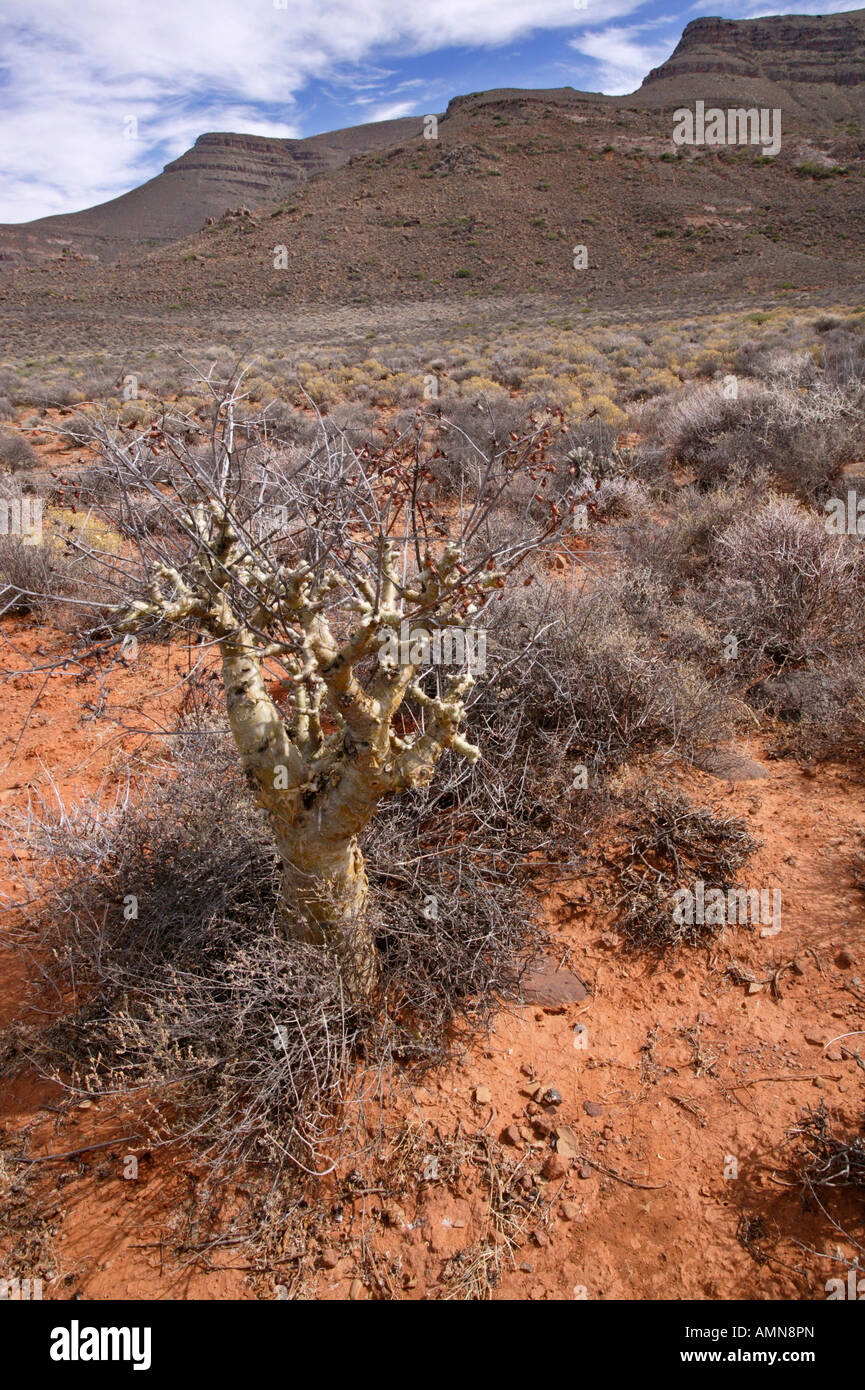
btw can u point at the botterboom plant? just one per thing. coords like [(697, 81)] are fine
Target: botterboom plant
[(319, 605)]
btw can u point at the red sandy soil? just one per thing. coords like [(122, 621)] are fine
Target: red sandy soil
[(685, 1067)]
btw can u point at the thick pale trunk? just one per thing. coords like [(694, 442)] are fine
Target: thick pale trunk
[(324, 882), (325, 888)]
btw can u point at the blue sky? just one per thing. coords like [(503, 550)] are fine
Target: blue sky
[(97, 95)]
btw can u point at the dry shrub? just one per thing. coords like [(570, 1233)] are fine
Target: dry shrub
[(825, 708), (56, 577), (842, 354), (240, 1035), (596, 687), (34, 578), (792, 593), (802, 436), (471, 430), (667, 843), (679, 543), (16, 452)]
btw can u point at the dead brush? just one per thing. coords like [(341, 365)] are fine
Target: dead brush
[(512, 1212), (665, 843), (26, 1224), (513, 1203), (825, 1156), (165, 968), (595, 687), (828, 1163)]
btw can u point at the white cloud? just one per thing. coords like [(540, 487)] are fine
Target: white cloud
[(71, 75), (751, 9), (623, 56), (389, 111)]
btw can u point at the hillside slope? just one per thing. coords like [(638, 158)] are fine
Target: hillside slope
[(515, 182), (221, 171)]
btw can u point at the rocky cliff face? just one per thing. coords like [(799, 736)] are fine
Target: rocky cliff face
[(798, 53), (812, 67)]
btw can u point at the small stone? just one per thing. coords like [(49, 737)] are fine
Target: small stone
[(526, 1267), (797, 969), (819, 1083), (329, 1259), (511, 1135), (357, 1292), (85, 1105), (592, 1108), (834, 1054), (567, 1143), (543, 1126), (844, 959), (584, 1172), (540, 1238), (570, 1211), (483, 1095), (813, 1038), (552, 1097), (754, 987), (556, 1167), (610, 940)]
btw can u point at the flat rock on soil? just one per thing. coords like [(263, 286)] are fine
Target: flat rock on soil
[(544, 984), (731, 764)]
